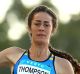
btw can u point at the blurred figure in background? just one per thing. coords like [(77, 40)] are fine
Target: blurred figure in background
[(40, 58)]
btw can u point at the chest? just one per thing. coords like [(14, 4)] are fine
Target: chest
[(27, 66)]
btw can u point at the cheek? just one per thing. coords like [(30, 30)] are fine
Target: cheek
[(49, 32), (33, 30)]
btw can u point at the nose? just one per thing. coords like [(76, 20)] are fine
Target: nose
[(41, 27)]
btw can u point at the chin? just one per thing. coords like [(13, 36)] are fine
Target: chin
[(42, 41)]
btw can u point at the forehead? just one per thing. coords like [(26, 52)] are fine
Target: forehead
[(42, 16)]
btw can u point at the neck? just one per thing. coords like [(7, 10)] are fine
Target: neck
[(39, 52)]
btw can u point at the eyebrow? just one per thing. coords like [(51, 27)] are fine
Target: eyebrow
[(40, 21), (37, 20)]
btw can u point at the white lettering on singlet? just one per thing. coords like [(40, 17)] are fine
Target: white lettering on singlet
[(28, 69)]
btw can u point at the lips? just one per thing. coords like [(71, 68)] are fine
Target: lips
[(42, 35)]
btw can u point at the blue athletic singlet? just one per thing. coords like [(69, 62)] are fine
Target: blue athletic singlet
[(27, 66)]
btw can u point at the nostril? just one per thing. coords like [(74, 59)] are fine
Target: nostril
[(41, 29)]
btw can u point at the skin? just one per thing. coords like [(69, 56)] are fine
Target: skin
[(41, 30)]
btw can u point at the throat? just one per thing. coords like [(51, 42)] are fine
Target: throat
[(39, 54)]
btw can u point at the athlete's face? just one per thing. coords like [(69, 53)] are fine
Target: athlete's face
[(41, 27)]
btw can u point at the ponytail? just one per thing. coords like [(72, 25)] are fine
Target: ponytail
[(67, 56)]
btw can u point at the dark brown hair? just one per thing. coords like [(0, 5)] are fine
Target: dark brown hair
[(67, 56)]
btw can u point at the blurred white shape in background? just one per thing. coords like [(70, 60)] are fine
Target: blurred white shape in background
[(30, 3), (67, 8), (5, 5), (17, 28)]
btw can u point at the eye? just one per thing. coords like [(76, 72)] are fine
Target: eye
[(46, 24), (37, 24)]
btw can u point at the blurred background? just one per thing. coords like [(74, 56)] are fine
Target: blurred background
[(13, 31)]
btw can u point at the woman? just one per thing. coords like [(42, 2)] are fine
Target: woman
[(41, 58)]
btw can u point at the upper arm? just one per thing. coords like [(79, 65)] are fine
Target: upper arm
[(63, 66), (3, 57), (8, 55)]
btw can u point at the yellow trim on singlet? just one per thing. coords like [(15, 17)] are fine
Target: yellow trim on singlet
[(26, 54), (51, 58)]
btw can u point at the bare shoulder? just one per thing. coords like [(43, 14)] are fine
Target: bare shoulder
[(12, 54), (63, 66), (14, 50)]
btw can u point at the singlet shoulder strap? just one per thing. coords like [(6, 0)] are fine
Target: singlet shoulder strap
[(26, 52), (52, 57)]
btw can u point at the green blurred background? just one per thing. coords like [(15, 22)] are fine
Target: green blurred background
[(13, 31)]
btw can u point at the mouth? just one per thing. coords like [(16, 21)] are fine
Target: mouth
[(41, 35)]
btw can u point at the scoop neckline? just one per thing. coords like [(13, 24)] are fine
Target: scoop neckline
[(39, 61)]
